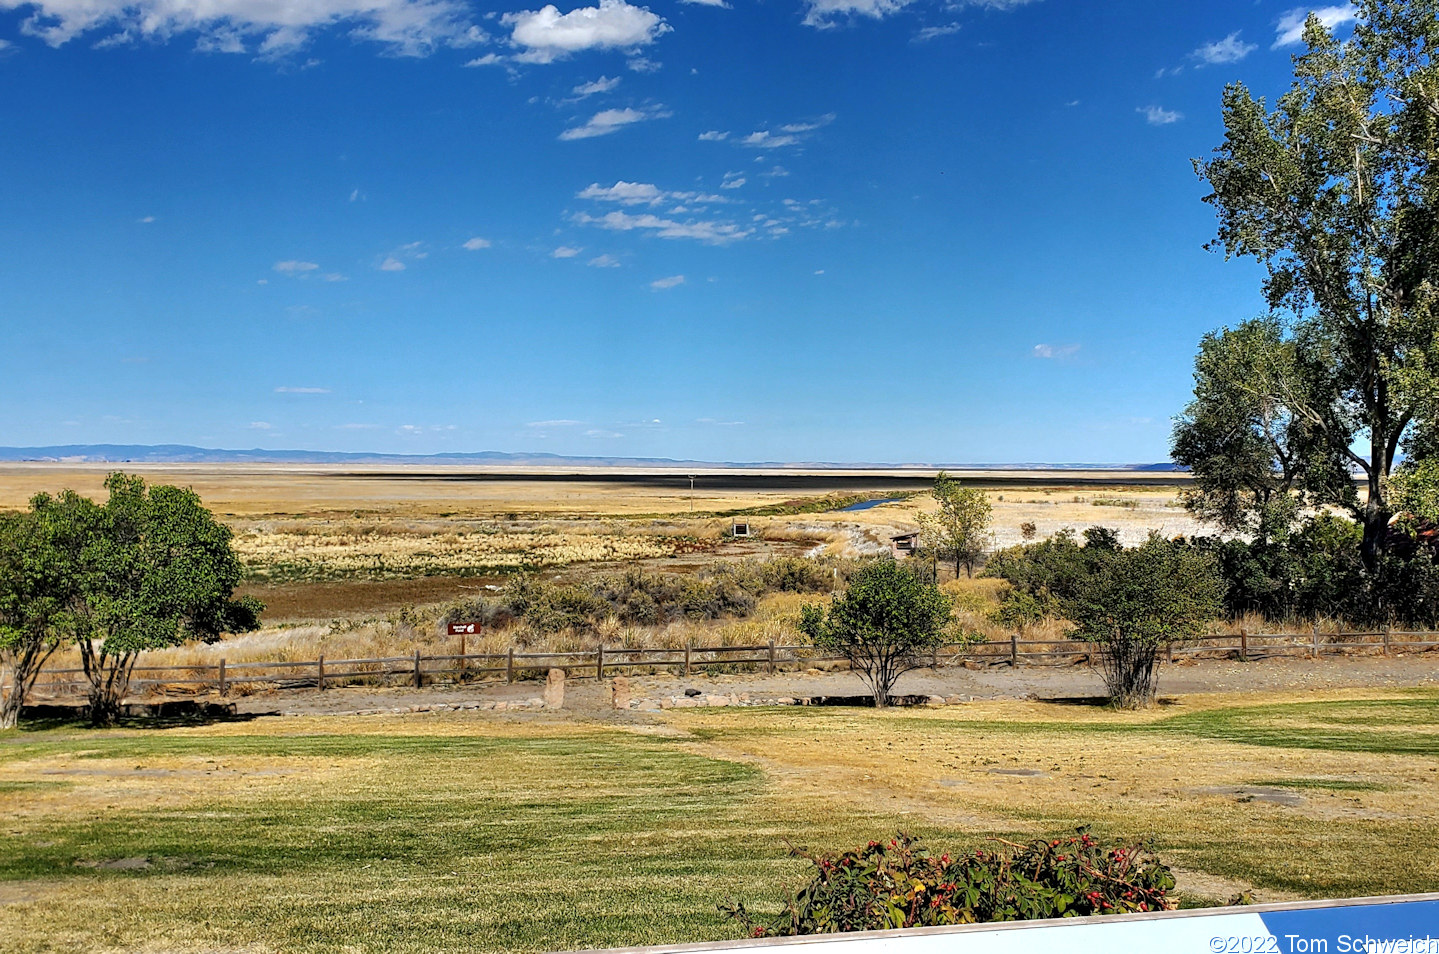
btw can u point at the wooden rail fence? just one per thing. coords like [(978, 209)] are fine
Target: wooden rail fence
[(418, 669)]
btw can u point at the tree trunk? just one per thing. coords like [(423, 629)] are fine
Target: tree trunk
[(24, 667), (109, 681), (1375, 519)]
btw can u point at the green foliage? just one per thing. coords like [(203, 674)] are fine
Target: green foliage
[(1336, 193), (154, 569), (1414, 491), (959, 531), (1131, 601), (900, 884), (889, 615)]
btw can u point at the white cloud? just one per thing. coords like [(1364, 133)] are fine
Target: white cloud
[(602, 85), (546, 35), (764, 139), (144, 221), (260, 425), (932, 32), (713, 135), (392, 264), (489, 59), (395, 261), (708, 3), (732, 180), (643, 64), (607, 121), (294, 390), (662, 283), (713, 232), (596, 432), (823, 13), (354, 195), (476, 243), (334, 277), (626, 193), (266, 27), (1290, 28), (561, 423), (789, 134), (604, 261), (293, 267), (566, 251), (1231, 49), (1157, 116), (1054, 351)]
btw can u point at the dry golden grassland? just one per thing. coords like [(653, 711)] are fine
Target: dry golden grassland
[(367, 547), (478, 832)]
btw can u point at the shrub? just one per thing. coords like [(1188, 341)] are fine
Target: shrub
[(884, 622), (900, 884)]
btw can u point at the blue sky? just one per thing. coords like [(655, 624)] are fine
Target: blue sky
[(846, 230)]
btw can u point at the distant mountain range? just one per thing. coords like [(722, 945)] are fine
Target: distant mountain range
[(185, 454)]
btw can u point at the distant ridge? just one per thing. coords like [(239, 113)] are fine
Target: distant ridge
[(185, 454)]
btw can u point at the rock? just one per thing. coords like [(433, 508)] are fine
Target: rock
[(535, 702), (717, 700), (501, 706), (955, 700), (972, 665), (666, 703), (934, 700), (620, 692), (555, 689), (785, 701), (692, 692), (813, 672)]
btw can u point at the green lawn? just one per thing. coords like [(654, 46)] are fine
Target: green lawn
[(465, 833)]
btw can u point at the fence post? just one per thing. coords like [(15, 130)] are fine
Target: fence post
[(1387, 627), (771, 657), (510, 665), (1014, 649), (934, 658), (600, 662), (1243, 644), (1316, 639), (223, 687), (687, 658), (1171, 651), (321, 667), (419, 680)]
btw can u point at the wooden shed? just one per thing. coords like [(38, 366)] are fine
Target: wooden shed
[(903, 545)]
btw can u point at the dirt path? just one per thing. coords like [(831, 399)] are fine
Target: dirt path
[(587, 697)]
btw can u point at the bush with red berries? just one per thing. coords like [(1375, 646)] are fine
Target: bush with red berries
[(900, 884)]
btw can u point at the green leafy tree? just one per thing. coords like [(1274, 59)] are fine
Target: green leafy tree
[(1134, 601), (39, 572), (157, 570), (888, 618), (959, 529), (1336, 193)]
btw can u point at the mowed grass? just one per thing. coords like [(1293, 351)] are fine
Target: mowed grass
[(472, 833)]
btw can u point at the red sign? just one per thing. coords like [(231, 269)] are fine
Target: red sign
[(465, 629)]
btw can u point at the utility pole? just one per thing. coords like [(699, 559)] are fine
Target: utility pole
[(692, 493)]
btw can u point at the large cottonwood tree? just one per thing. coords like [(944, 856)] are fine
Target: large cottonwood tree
[(1336, 193)]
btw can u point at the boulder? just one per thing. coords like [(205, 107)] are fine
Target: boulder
[(620, 692), (555, 689)]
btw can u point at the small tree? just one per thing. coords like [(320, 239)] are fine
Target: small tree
[(1134, 601), (882, 624), (157, 570), (39, 551), (959, 530)]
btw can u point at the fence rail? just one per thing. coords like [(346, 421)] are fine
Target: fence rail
[(418, 669)]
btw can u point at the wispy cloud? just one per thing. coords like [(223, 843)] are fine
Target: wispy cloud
[(558, 423), (294, 267), (1054, 351), (1231, 49), (476, 243), (602, 85), (263, 27), (546, 35), (713, 135), (672, 281), (1158, 116), (703, 230), (933, 32), (260, 425), (396, 260), (301, 390), (1290, 28), (566, 251), (644, 193), (608, 121), (604, 261), (789, 134)]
